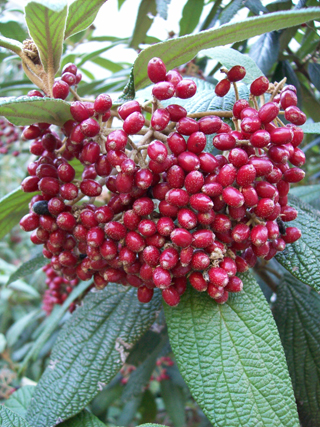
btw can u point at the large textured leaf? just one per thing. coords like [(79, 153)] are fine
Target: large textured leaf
[(12, 29), (190, 16), (230, 57), (19, 401), (265, 50), (181, 50), (11, 419), (89, 351), (302, 258), (307, 193), (46, 22), (147, 10), (81, 14), (297, 313), (26, 110), (12, 208), (27, 268), (231, 358)]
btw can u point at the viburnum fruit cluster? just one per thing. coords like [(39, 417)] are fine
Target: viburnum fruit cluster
[(168, 211)]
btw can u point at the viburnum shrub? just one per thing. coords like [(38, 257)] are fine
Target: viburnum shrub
[(138, 199)]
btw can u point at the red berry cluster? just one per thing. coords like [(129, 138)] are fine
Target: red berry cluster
[(58, 290), (9, 138), (69, 77), (172, 211)]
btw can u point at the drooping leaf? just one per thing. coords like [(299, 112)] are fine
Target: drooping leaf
[(230, 57), (143, 348), (11, 419), (26, 110), (311, 105), (12, 30), (212, 16), (162, 8), (229, 11), (81, 15), (51, 323), (19, 401), (255, 6), (107, 64), (15, 330), (147, 10), (46, 22), (314, 73), (302, 258), (27, 268), (307, 193), (181, 50), (297, 313), (90, 349), (148, 407), (278, 5), (174, 402), (129, 411), (265, 50), (231, 358), (190, 16), (140, 378), (12, 208), (11, 44)]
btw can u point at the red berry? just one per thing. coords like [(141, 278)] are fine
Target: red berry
[(161, 278), (90, 188), (181, 237), (163, 90), (176, 143), (218, 276), (160, 119), (156, 70), (176, 112), (60, 89), (157, 151), (102, 103), (236, 73), (186, 89), (144, 294), (259, 86), (292, 235), (222, 88), (90, 127), (171, 296), (187, 126), (198, 282)]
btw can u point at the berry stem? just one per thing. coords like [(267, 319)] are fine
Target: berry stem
[(236, 92), (75, 95), (226, 114), (277, 88)]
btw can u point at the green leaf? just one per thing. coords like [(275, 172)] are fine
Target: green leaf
[(84, 419), (90, 349), (27, 268), (307, 193), (230, 57), (255, 6), (311, 105), (265, 50), (19, 401), (15, 330), (81, 15), (11, 44), (26, 110), (212, 16), (314, 73), (174, 402), (297, 313), (190, 16), (148, 407), (143, 348), (52, 322), (162, 8), (107, 64), (311, 128), (302, 258), (12, 30), (181, 50), (140, 378), (10, 419), (147, 10), (12, 208), (229, 11), (120, 3), (231, 358), (46, 22)]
